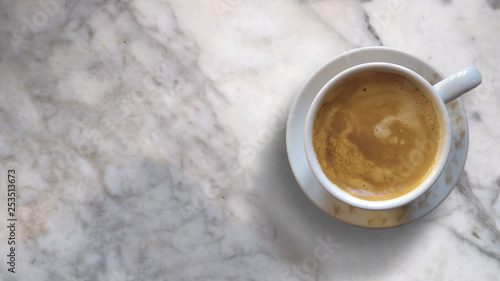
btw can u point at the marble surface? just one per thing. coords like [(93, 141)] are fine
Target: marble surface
[(148, 140)]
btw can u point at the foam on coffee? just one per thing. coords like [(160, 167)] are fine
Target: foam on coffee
[(376, 135)]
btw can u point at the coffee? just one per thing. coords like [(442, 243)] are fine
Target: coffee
[(376, 135)]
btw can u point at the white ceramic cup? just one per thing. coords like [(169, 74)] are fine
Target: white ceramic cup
[(440, 94)]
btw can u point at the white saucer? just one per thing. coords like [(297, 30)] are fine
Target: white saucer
[(334, 207)]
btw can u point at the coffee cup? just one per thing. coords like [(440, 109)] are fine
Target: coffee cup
[(377, 135)]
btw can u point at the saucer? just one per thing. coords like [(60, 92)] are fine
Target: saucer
[(340, 210)]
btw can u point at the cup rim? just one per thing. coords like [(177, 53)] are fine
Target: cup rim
[(443, 149)]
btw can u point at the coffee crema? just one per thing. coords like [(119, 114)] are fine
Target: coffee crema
[(376, 136)]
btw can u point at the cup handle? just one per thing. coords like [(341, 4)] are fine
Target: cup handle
[(459, 83)]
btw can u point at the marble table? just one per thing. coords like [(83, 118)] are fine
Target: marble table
[(145, 140)]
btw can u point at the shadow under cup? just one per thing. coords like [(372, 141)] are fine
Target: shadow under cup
[(338, 188)]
